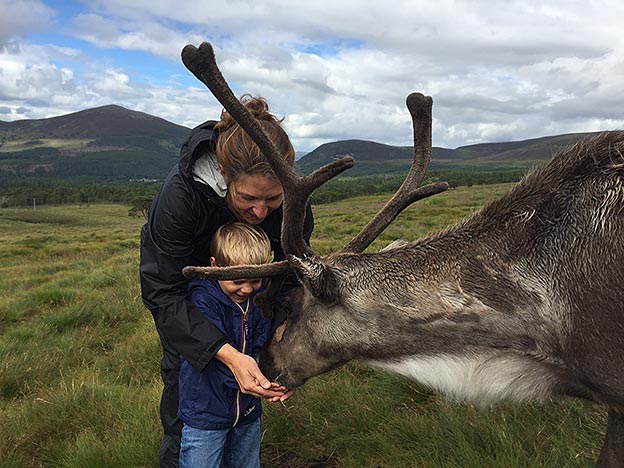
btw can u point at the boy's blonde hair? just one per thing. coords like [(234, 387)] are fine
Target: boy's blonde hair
[(240, 244)]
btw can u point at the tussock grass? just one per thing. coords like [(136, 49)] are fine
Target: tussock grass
[(79, 362)]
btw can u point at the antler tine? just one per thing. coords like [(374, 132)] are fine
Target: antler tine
[(297, 190), (237, 272), (202, 63), (419, 107)]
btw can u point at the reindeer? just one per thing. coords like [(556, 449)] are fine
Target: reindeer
[(522, 301)]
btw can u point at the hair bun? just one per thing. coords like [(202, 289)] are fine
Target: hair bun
[(256, 105), (236, 151)]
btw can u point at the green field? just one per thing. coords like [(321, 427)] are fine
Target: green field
[(79, 362)]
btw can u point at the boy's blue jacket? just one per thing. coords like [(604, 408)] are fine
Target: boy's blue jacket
[(211, 399)]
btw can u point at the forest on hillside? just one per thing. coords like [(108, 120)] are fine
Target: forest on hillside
[(21, 193)]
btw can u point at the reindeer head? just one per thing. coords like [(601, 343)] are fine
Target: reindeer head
[(295, 353)]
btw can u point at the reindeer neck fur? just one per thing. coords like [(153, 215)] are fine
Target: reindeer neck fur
[(491, 309)]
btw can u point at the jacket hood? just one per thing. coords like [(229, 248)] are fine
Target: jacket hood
[(201, 140)]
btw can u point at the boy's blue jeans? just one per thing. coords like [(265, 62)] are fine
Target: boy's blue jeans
[(237, 447)]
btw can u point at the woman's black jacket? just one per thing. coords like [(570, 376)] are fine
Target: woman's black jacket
[(182, 219)]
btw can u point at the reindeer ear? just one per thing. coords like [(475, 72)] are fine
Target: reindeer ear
[(279, 332), (320, 279), (394, 245)]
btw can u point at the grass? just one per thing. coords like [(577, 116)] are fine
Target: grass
[(79, 363)]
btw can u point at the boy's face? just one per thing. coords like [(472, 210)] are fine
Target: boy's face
[(239, 290)]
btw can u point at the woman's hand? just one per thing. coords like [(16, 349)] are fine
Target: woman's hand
[(248, 375)]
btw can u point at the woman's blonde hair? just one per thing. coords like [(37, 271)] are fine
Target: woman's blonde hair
[(237, 154), (240, 244)]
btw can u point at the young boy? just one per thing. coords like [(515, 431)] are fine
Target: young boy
[(221, 424)]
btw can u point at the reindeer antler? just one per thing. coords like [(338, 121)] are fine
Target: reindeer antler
[(237, 272), (297, 190), (419, 107)]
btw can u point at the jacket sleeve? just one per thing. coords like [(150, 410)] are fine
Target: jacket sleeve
[(167, 242), (308, 224), (213, 311)]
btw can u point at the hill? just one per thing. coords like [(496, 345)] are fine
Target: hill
[(105, 144), (114, 145), (375, 158)]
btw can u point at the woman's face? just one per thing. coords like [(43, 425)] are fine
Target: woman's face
[(253, 197)]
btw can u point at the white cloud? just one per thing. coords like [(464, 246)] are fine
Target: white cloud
[(115, 33), (19, 17), (336, 70)]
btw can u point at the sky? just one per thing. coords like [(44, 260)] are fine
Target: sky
[(334, 69)]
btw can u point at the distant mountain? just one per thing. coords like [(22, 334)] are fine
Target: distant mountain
[(104, 144), (99, 122), (376, 158), (111, 144), (523, 152)]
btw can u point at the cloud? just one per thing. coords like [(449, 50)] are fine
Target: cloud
[(20, 17), (335, 70), (115, 33)]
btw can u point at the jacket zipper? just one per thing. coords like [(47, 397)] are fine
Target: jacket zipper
[(238, 399)]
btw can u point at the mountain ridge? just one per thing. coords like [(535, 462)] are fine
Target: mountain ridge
[(111, 119), (376, 158), (112, 144), (105, 144)]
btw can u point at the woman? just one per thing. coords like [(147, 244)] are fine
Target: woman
[(221, 176)]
